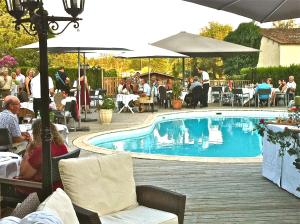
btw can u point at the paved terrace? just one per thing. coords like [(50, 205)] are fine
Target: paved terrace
[(216, 192)]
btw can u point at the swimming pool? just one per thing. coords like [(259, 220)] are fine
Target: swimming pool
[(197, 134)]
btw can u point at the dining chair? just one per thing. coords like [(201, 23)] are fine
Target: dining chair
[(261, 92), (5, 140)]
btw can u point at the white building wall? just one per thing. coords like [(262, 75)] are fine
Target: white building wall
[(269, 54), (289, 54)]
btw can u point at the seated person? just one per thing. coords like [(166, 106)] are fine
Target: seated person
[(9, 119), (169, 85), (269, 81), (263, 85), (66, 98), (31, 165), (188, 97), (127, 88), (291, 87), (145, 94), (281, 89)]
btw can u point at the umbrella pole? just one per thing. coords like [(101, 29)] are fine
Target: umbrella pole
[(79, 90), (84, 87), (149, 71), (183, 68)]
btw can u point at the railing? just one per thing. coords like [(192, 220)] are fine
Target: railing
[(111, 84), (236, 83)]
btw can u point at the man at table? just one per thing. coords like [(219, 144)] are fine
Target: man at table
[(9, 119), (144, 95), (263, 85)]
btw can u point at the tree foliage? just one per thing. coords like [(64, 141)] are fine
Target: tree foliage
[(247, 34), (10, 39), (287, 24), (217, 31)]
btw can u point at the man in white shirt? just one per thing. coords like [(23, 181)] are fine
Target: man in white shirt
[(291, 87), (205, 85), (20, 77), (35, 85), (145, 95)]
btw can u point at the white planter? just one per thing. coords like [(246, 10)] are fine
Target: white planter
[(105, 116)]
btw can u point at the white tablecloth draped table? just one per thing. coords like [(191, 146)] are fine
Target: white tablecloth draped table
[(9, 164), (27, 105), (280, 170), (125, 99)]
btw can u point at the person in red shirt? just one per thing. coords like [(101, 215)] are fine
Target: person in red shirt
[(31, 165)]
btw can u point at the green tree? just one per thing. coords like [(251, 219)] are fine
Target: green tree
[(10, 39), (247, 34), (217, 31), (287, 24)]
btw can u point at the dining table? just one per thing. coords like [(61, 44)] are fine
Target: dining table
[(9, 164), (280, 168), (126, 99)]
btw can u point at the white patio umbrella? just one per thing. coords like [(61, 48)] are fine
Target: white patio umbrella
[(259, 10), (198, 46), (148, 51), (81, 43)]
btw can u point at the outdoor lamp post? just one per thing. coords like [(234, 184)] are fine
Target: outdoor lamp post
[(32, 13)]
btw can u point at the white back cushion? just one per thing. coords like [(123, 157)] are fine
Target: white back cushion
[(59, 203), (103, 184)]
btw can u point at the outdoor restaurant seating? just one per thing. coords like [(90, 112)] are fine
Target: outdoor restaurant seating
[(7, 185), (196, 95), (106, 188), (216, 92), (163, 97), (263, 92), (238, 96), (5, 140)]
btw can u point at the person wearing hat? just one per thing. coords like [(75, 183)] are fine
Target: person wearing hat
[(5, 82)]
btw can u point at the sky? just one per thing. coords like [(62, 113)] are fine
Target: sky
[(144, 21)]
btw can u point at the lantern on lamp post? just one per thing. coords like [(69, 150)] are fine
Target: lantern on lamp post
[(32, 12)]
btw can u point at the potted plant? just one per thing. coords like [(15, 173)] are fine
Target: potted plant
[(177, 90), (106, 110)]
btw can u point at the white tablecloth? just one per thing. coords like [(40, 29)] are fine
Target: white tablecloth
[(9, 164), (280, 170), (126, 98), (27, 105)]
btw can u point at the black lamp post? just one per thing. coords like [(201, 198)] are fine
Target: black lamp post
[(32, 12)]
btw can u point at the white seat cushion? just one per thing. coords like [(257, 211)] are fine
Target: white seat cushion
[(103, 184), (59, 203), (140, 215)]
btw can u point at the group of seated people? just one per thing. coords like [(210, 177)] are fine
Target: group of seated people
[(287, 89), (139, 87), (31, 164)]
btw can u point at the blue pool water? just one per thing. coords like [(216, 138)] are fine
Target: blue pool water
[(200, 137)]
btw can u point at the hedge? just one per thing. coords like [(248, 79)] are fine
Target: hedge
[(276, 73), (94, 76)]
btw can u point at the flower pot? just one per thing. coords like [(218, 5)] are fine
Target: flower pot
[(105, 116), (177, 104)]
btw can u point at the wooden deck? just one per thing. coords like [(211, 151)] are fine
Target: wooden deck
[(216, 192), (221, 192)]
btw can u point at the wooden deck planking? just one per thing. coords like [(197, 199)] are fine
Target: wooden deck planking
[(221, 192)]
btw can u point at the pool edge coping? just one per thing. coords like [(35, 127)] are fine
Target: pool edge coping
[(82, 141)]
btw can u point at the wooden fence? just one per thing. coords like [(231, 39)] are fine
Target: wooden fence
[(111, 84)]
